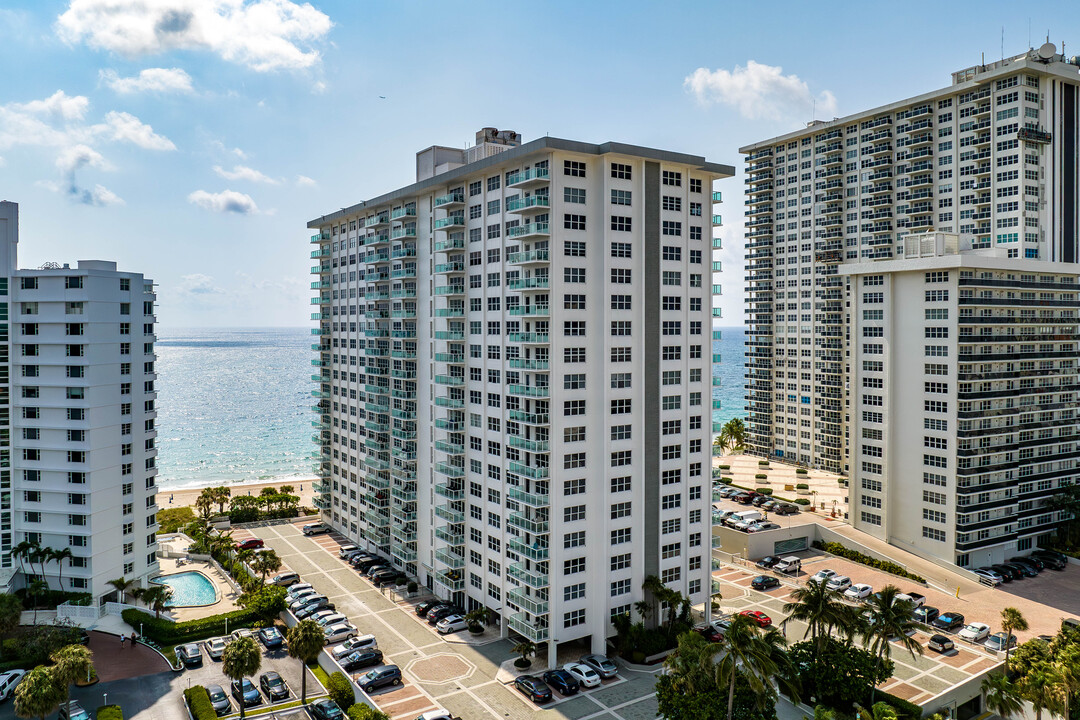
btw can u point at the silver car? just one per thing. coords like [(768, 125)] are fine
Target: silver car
[(604, 667)]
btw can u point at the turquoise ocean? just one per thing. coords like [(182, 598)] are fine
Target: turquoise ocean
[(234, 404)]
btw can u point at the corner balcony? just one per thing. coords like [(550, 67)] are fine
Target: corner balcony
[(536, 473), (531, 630), (528, 418), (528, 230), (449, 559), (449, 492), (529, 283), (402, 553), (322, 503), (520, 520), (451, 579), (526, 602), (451, 222), (450, 471), (450, 448), (528, 338), (449, 514), (533, 499), (533, 177), (532, 203), (529, 577), (536, 551), (450, 425), (404, 494), (454, 538), (450, 200), (530, 391), (532, 257)]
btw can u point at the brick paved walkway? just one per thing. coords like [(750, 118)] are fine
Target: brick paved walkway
[(114, 662)]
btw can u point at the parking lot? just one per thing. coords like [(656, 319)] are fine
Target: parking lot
[(442, 671)]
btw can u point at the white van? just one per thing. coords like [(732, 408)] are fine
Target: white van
[(743, 516), (789, 565)]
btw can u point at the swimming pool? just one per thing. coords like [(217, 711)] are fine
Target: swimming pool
[(190, 589)]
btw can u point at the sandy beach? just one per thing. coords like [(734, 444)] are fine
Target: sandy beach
[(188, 496)]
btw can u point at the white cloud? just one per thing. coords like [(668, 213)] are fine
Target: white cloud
[(59, 104), (198, 284), (224, 201), (318, 88), (79, 156), (162, 80), (126, 127), (103, 196), (260, 34), (58, 121), (759, 92), (242, 172), (305, 181), (69, 162)]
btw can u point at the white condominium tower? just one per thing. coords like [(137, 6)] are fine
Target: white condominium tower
[(992, 158), (77, 436), (514, 378), (963, 386)]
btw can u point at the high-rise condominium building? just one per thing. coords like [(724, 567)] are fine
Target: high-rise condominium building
[(963, 385), (77, 436), (514, 377), (992, 158)]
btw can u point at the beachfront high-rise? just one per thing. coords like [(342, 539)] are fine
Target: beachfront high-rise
[(992, 157), (77, 435), (514, 377)]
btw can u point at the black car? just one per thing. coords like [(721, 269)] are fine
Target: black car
[(379, 677), (533, 687), (325, 710), (383, 576), (1007, 571), (274, 687), (245, 692), (439, 613), (767, 562), (361, 659), (422, 608), (271, 638), (949, 621), (365, 565), (361, 558), (374, 568), (219, 700), (764, 582), (562, 681), (1052, 560), (189, 654), (786, 509), (926, 614), (1029, 560), (1024, 570)]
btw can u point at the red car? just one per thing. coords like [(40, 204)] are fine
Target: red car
[(250, 544), (759, 617)]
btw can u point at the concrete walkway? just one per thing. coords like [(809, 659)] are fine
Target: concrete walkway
[(114, 661)]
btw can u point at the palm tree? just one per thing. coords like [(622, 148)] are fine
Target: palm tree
[(122, 586), (60, 556), (10, 614), (242, 557), (890, 618), (744, 651), (655, 587), (70, 663), (40, 555), (36, 588), (205, 503), (1067, 666), (38, 695), (733, 435), (287, 489), (643, 608), (266, 562), (241, 659), (157, 598), (305, 641), (221, 495), (22, 552), (1001, 696), (477, 617), (1042, 687), (525, 648), (1011, 619), (820, 608)]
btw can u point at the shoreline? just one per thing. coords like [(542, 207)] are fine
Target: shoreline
[(186, 496)]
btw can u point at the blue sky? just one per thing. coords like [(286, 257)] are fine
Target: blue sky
[(192, 139)]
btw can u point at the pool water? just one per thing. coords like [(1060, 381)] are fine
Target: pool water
[(189, 589)]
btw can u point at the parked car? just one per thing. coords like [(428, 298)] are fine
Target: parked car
[(361, 557), (562, 681), (312, 606), (316, 529), (603, 666), (926, 614), (380, 677), (437, 714), (949, 621), (1024, 569), (764, 582), (756, 616), (451, 624), (767, 562), (824, 576), (422, 608), (790, 565), (375, 567), (273, 686), (360, 659), (215, 647), (1053, 560), (345, 550), (838, 583), (998, 643), (285, 579), (300, 599), (386, 576), (988, 577), (339, 631), (242, 633), (916, 599), (189, 654), (1029, 560), (762, 526), (271, 638), (72, 711), (786, 509), (434, 616), (759, 500), (1008, 572), (940, 643), (245, 692), (325, 710), (296, 590), (974, 632), (585, 675), (250, 544), (533, 687), (219, 700), (371, 561), (9, 681), (326, 618), (361, 642), (858, 591)]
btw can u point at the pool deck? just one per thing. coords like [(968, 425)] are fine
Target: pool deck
[(226, 595)]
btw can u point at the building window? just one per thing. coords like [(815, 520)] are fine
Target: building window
[(573, 168), (574, 617)]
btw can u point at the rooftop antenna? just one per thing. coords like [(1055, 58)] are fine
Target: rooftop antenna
[(1002, 42), (815, 110)]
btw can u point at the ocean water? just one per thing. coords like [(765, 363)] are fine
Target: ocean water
[(730, 371), (234, 405)]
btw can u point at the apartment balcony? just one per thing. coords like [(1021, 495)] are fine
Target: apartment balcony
[(529, 363), (450, 471), (530, 445), (528, 283), (449, 335), (529, 577), (529, 391), (451, 222), (536, 551), (526, 602), (450, 358), (453, 380), (532, 525), (320, 238), (401, 552), (532, 203), (529, 418), (320, 502), (377, 425), (451, 579), (454, 538), (450, 267), (403, 252), (528, 230), (403, 314), (406, 212), (533, 257), (450, 312), (533, 177), (450, 290), (450, 448), (402, 233), (449, 492), (376, 240), (531, 630), (376, 464), (530, 311), (529, 338), (532, 499), (450, 559), (454, 243), (449, 425), (449, 514), (450, 200), (536, 473), (405, 413)]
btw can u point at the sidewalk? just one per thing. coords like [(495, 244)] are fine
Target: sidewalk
[(114, 661)]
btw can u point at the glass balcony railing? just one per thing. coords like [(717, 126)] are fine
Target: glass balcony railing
[(455, 198), (451, 537), (520, 520), (449, 492), (530, 391), (532, 499), (531, 311), (536, 551), (449, 559), (532, 202), (528, 283), (531, 578), (449, 470), (537, 473), (528, 230), (524, 601), (530, 176), (530, 445), (450, 221), (532, 256)]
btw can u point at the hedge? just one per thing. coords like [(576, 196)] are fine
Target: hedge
[(888, 566), (903, 707), (763, 491), (802, 501), (725, 467), (761, 477), (801, 471), (164, 632), (340, 689), (802, 486), (199, 701), (113, 712), (763, 463), (363, 711)]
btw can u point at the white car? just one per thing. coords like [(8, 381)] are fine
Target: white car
[(345, 550), (361, 642), (858, 591), (326, 618), (974, 632), (215, 647), (838, 583), (583, 674), (9, 681), (243, 633), (339, 631), (296, 590), (987, 577), (451, 624), (824, 576)]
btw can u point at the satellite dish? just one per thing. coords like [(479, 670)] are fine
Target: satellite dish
[(1047, 51)]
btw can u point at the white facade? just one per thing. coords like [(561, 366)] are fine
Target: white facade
[(79, 365), (993, 158), (963, 380), (515, 374)]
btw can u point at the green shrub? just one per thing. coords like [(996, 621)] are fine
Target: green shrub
[(906, 710), (802, 486), (802, 501), (319, 673), (761, 477), (113, 712), (164, 632), (363, 711), (763, 491), (763, 463), (172, 519), (888, 566), (341, 690), (725, 467), (199, 702), (801, 471)]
